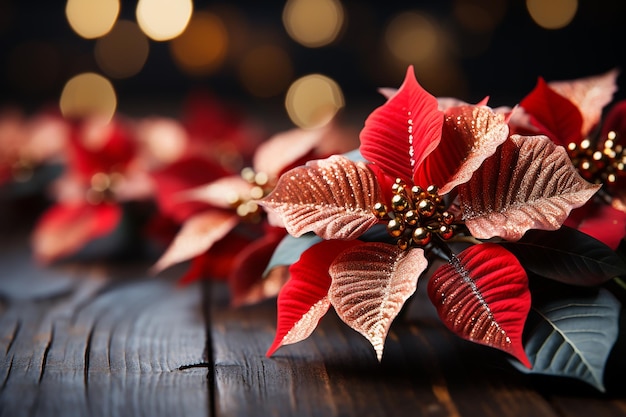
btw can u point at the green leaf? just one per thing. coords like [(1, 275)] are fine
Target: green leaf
[(289, 250), (568, 256), (572, 336)]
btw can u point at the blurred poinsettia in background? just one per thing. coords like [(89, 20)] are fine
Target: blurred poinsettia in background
[(224, 232)]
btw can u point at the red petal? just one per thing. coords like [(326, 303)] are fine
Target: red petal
[(246, 281), (554, 115), (66, 228), (482, 296), (402, 132), (604, 223), (304, 298), (616, 121), (217, 263), (180, 176), (100, 147)]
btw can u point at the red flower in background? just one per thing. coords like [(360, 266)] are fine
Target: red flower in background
[(101, 172), (30, 142), (569, 113), (216, 206)]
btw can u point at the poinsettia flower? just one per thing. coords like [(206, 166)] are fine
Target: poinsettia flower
[(219, 131), (100, 174), (221, 209), (569, 112), (417, 159), (28, 142)]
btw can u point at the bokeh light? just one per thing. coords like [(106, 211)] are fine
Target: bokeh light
[(88, 94), (313, 23), (163, 20), (266, 71), (479, 15), (202, 47), (92, 18), (553, 14), (412, 37), (313, 101), (123, 51)]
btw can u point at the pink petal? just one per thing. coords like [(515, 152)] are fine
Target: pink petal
[(303, 300), (196, 236), (402, 132), (65, 228), (222, 193), (282, 149), (482, 295), (332, 197), (370, 284), (529, 183), (469, 135), (590, 95)]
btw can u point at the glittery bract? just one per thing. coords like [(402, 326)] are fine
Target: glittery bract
[(529, 183), (370, 284), (332, 197)]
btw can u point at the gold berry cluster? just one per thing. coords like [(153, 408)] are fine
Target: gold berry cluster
[(602, 165), (245, 205), (416, 215), (102, 187)]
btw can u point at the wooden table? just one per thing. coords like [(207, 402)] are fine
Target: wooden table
[(108, 340)]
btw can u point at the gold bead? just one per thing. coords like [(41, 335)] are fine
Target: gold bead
[(432, 189), (426, 208), (416, 190), (411, 218), (447, 217), (399, 202), (403, 244), (445, 231), (380, 210), (395, 227), (421, 236)]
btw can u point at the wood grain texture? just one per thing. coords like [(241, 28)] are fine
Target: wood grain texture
[(425, 370), (101, 342), (109, 341)]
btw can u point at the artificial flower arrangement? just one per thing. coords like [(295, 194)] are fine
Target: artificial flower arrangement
[(463, 183)]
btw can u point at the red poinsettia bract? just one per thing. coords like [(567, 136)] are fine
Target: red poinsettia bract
[(418, 160), (216, 206), (569, 113), (102, 171)]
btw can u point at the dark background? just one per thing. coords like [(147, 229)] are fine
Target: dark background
[(503, 64)]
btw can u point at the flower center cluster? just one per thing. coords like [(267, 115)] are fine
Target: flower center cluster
[(416, 215), (601, 166), (244, 205), (102, 187)]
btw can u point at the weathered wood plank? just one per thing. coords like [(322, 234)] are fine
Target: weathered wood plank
[(424, 371), (101, 342)]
